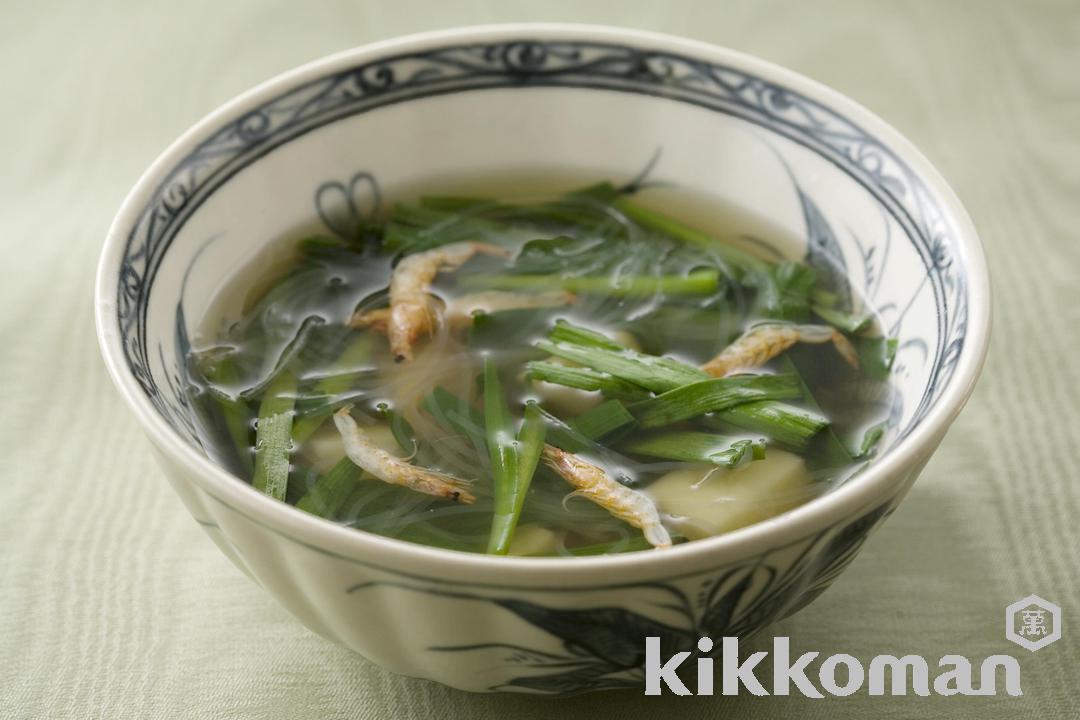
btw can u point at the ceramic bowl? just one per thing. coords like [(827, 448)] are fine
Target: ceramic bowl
[(335, 138)]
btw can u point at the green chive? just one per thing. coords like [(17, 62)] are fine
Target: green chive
[(234, 410), (413, 228), (455, 203), (649, 371), (290, 356), (698, 282), (703, 332), (399, 428), (273, 436), (530, 444), (577, 335), (658, 222), (706, 396), (848, 322), (355, 353), (871, 438), (326, 249), (583, 378), (636, 542), (785, 289), (564, 436), (820, 297), (457, 415), (603, 191), (513, 459), (735, 455), (784, 424), (604, 419), (691, 446), (568, 437), (329, 495), (876, 355), (826, 450)]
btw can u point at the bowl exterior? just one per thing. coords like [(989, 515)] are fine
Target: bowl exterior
[(488, 637)]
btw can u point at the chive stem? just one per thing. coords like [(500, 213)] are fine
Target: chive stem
[(273, 436), (357, 352), (583, 378), (330, 492), (697, 282), (692, 446), (513, 459), (850, 323), (706, 396), (604, 419), (658, 222), (787, 425), (235, 411), (649, 371)]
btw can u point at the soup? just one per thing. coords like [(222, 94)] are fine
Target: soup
[(574, 375)]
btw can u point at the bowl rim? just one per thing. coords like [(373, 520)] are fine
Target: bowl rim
[(880, 481)]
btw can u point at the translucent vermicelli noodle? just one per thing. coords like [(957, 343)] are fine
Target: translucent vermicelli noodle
[(574, 376)]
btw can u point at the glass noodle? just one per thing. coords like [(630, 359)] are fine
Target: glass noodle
[(559, 381)]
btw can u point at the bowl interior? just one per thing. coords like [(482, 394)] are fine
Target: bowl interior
[(812, 175)]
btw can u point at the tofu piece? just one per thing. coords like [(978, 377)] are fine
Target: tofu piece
[(324, 448), (565, 401), (627, 339), (705, 500), (533, 539)]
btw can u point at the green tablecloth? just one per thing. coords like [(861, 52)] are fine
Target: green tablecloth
[(113, 604)]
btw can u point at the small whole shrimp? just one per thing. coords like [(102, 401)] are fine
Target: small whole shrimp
[(377, 320), (762, 343), (593, 483), (394, 470), (461, 309), (411, 311)]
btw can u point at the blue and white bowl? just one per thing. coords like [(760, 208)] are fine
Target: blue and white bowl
[(335, 137)]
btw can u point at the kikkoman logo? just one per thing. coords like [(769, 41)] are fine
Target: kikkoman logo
[(1032, 623), (886, 674)]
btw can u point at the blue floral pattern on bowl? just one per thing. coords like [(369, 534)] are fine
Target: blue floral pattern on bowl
[(533, 63)]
